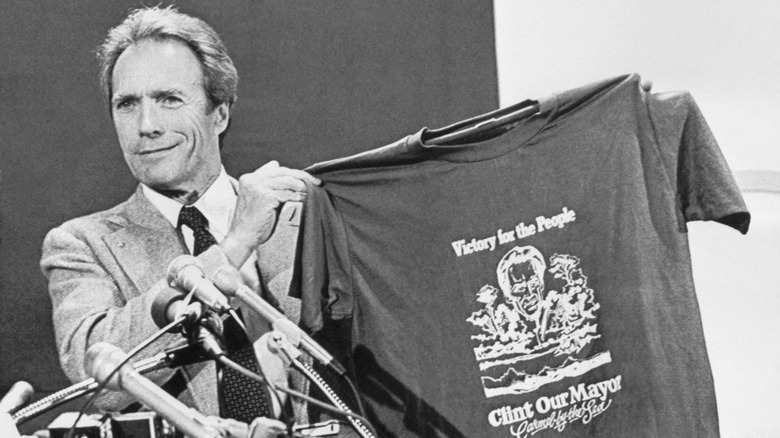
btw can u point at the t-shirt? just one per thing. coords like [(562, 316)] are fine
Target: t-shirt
[(532, 280)]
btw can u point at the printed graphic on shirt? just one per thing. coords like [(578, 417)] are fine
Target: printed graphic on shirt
[(538, 326), (580, 403)]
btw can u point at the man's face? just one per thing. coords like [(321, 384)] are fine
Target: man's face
[(167, 131), (525, 287)]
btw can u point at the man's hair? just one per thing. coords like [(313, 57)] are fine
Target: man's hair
[(219, 74)]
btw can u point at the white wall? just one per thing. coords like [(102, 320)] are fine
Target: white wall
[(727, 54), (739, 299)]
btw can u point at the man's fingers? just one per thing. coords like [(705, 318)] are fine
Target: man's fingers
[(290, 195), (275, 198), (269, 166), (272, 169), (278, 180), (303, 176), (285, 183)]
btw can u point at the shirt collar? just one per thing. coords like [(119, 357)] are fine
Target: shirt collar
[(218, 204)]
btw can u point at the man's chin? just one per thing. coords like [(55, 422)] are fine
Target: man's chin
[(160, 183)]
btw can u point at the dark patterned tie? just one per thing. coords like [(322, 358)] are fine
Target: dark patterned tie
[(194, 219), (240, 397)]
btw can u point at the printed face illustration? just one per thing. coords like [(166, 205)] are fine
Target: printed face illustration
[(539, 313), (520, 276), (525, 288)]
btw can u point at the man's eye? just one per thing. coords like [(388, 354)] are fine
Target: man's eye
[(124, 105), (172, 101)]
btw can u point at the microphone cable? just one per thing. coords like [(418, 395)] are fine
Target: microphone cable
[(132, 353), (293, 393), (77, 390), (355, 394), (263, 379), (359, 423)]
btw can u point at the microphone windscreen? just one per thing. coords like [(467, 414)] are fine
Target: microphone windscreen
[(180, 263), (16, 397), (160, 305), (8, 426), (101, 361)]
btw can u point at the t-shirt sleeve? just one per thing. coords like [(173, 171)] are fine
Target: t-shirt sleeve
[(321, 270), (705, 187)]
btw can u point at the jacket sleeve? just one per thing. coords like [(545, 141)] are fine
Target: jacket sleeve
[(91, 304), (88, 307)]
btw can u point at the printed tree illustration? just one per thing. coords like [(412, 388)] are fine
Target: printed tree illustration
[(486, 317), (497, 318), (573, 306)]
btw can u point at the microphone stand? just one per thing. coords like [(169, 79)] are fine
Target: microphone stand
[(182, 354), (168, 358), (227, 279), (285, 337), (281, 346)]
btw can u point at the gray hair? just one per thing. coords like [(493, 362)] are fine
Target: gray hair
[(219, 73)]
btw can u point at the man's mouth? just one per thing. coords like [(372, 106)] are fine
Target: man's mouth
[(156, 150)]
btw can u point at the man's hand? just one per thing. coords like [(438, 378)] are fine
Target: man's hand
[(261, 195)]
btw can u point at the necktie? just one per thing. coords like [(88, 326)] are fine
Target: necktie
[(240, 397), (194, 219)]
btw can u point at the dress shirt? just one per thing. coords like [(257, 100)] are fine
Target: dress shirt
[(218, 204)]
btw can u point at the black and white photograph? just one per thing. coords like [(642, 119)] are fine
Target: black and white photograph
[(431, 219)]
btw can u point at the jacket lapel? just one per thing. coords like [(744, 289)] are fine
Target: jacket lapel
[(144, 243)]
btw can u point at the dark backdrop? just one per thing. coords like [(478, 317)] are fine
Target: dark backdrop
[(318, 80)]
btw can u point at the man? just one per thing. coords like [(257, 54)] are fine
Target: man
[(170, 85)]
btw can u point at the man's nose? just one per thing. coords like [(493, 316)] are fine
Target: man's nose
[(149, 124)]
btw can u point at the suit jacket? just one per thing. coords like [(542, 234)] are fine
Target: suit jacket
[(104, 271)]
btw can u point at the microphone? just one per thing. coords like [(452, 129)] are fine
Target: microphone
[(8, 426), (228, 280), (103, 358), (168, 305), (19, 395), (186, 273), (181, 353)]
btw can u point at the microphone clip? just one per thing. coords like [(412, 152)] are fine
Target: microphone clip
[(201, 341)]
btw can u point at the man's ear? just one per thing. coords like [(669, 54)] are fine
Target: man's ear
[(221, 117)]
